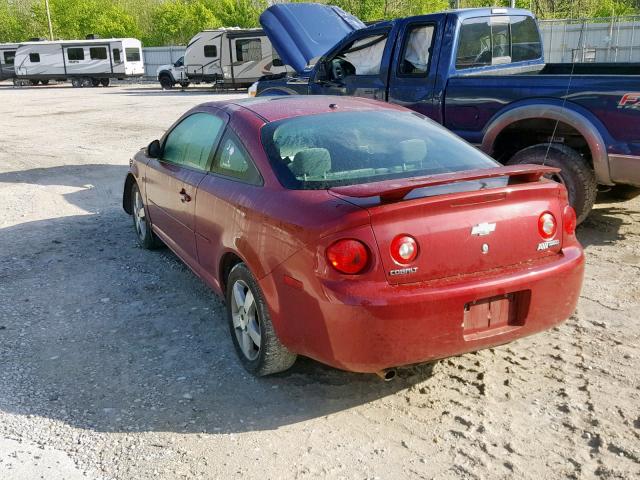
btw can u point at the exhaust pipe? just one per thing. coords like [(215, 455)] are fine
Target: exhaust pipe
[(387, 374)]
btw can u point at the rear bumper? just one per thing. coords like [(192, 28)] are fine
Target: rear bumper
[(366, 327), (625, 169)]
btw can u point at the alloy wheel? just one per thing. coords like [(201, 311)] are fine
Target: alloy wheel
[(246, 320)]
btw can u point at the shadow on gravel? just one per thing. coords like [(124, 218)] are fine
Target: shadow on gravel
[(88, 178), (100, 334), (602, 226)]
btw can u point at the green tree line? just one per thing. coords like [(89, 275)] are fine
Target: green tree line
[(174, 22)]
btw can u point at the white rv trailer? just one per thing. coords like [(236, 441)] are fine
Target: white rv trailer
[(231, 57), (86, 63), (7, 56)]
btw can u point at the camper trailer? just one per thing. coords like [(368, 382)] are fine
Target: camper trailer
[(86, 63), (7, 55), (230, 57)]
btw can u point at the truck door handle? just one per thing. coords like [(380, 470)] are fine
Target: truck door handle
[(184, 196)]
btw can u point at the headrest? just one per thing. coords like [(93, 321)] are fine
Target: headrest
[(311, 162), (413, 151)]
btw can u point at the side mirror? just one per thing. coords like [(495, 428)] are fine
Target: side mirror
[(277, 62), (153, 150)]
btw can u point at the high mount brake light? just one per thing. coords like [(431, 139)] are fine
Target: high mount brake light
[(547, 225), (569, 220), (404, 249), (348, 256)]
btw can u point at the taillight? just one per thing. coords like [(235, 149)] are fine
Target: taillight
[(547, 225), (569, 220), (404, 249), (348, 256)]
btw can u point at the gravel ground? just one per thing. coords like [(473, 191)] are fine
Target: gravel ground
[(115, 362)]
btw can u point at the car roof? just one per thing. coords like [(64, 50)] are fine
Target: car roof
[(275, 108)]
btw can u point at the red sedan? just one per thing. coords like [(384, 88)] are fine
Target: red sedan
[(355, 232)]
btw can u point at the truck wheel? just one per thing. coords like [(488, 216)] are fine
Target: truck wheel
[(75, 82), (105, 82), (253, 335), (166, 82), (575, 173)]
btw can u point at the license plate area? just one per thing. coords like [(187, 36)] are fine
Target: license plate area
[(495, 315)]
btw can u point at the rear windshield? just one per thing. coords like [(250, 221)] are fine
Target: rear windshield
[(347, 148)]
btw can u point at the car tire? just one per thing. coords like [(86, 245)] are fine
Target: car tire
[(575, 173), (105, 82), (254, 338), (166, 82), (144, 233)]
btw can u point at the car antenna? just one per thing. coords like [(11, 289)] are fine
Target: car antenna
[(566, 94)]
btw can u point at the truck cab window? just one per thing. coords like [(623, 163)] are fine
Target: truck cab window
[(34, 57), (210, 51), (75, 54), (116, 55), (98, 53), (362, 57), (249, 50), (525, 39), (9, 57), (500, 40), (179, 63), (474, 44), (417, 50)]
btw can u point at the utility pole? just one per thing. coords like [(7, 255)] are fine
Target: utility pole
[(46, 4)]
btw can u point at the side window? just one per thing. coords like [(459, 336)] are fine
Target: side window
[(98, 53), (417, 50), (191, 142), (9, 57), (133, 54), (249, 50), (525, 39), (232, 160), (362, 57), (474, 44), (116, 55), (75, 54), (210, 51), (34, 57)]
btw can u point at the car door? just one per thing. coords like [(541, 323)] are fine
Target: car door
[(172, 180), (357, 68), (413, 79), (223, 216)]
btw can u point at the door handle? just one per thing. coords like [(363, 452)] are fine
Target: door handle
[(184, 196)]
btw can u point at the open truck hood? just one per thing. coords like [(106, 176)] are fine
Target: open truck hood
[(300, 32)]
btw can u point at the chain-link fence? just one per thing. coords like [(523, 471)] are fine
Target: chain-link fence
[(614, 39)]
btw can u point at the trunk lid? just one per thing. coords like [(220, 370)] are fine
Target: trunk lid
[(300, 32), (465, 223)]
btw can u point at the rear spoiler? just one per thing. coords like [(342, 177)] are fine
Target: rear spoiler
[(394, 190)]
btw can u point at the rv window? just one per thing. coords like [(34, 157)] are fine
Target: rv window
[(133, 54), (75, 53), (9, 57), (34, 57), (98, 53), (249, 50), (190, 143), (232, 160), (116, 55), (210, 51)]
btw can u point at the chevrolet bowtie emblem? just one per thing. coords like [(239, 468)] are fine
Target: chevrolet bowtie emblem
[(483, 229)]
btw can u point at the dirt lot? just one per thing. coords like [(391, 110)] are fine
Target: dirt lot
[(115, 362)]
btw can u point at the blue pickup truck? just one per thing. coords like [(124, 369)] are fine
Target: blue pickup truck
[(480, 73)]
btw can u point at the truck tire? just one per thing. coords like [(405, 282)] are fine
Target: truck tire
[(104, 82), (254, 338), (166, 82), (575, 173)]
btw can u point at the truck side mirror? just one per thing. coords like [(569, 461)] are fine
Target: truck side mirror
[(154, 150)]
